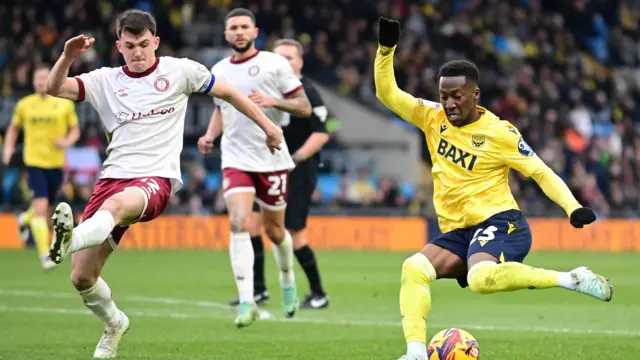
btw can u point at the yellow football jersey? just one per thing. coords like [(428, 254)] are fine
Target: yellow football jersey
[(470, 163), (44, 120)]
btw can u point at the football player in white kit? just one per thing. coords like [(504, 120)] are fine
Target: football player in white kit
[(142, 106), (249, 171)]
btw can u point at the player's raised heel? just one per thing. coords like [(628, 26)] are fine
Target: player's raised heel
[(290, 302), (62, 232), (589, 283), (247, 314), (108, 346)]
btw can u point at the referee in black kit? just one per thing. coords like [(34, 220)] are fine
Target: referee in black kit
[(304, 137)]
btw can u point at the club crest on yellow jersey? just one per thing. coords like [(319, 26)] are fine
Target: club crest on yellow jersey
[(477, 141)]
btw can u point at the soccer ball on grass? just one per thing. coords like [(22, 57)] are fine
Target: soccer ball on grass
[(453, 344)]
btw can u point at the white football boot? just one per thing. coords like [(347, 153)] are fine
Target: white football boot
[(108, 344), (589, 283), (62, 232)]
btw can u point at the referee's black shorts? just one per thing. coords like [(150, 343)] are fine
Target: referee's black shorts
[(302, 184)]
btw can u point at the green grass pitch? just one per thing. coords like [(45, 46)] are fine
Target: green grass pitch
[(176, 304)]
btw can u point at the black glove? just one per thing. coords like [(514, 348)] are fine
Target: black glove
[(581, 217), (388, 32)]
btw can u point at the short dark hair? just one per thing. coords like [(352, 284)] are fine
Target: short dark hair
[(135, 22), (240, 12), (460, 68)]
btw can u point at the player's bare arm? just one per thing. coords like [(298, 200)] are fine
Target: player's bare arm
[(205, 142), (313, 144), (71, 138), (241, 102), (296, 104), (11, 135), (9, 144), (58, 83)]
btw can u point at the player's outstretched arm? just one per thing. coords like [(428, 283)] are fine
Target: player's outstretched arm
[(519, 155), (58, 83), (559, 192), (387, 89), (221, 89)]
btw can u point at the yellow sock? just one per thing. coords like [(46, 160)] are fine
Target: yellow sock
[(27, 216), (488, 277), (415, 297), (40, 230)]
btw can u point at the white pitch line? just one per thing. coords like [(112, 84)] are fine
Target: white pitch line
[(265, 315), (155, 300)]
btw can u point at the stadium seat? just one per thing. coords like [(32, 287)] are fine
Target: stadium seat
[(185, 179), (213, 180), (408, 190), (328, 186), (9, 179)]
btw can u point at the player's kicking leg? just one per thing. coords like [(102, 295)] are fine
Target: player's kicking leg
[(496, 265), (494, 250), (239, 201)]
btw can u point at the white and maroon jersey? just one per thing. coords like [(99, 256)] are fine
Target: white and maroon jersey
[(143, 115), (243, 143)]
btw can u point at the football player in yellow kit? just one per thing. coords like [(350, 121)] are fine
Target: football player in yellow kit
[(50, 125), (485, 236)]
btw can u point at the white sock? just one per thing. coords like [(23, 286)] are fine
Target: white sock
[(98, 300), (566, 281), (283, 253), (417, 348), (242, 259), (93, 231)]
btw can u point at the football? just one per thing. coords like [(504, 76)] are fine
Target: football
[(453, 344)]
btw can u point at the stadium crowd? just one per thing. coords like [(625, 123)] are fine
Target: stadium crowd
[(546, 66)]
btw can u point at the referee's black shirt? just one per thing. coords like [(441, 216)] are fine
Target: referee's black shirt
[(298, 130)]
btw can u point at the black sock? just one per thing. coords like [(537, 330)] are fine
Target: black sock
[(258, 265), (307, 260)]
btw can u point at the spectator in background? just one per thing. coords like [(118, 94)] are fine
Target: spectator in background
[(361, 190), (547, 66)]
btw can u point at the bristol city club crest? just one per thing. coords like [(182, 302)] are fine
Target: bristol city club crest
[(161, 84), (254, 70)]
